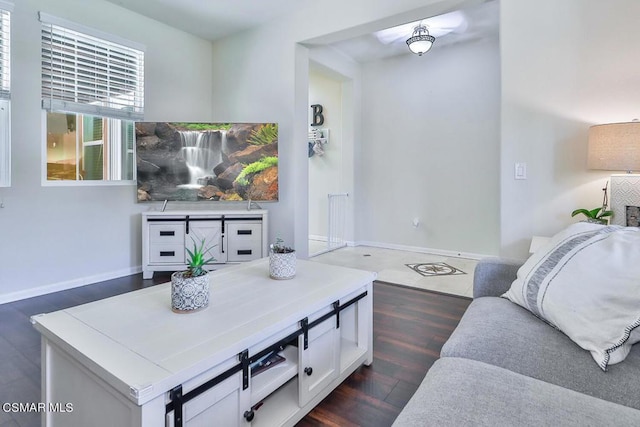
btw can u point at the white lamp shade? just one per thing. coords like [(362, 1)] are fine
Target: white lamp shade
[(614, 147)]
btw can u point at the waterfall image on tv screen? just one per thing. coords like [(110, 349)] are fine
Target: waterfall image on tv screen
[(207, 161)]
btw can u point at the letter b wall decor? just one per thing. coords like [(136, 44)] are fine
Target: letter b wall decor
[(318, 117)]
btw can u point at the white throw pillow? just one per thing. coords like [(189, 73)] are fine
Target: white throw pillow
[(586, 282)]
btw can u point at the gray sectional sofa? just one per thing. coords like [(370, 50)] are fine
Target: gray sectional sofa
[(503, 366)]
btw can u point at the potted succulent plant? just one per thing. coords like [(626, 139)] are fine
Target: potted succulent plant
[(597, 215), (190, 288), (282, 261)]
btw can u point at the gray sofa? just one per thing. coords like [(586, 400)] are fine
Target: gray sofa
[(502, 366)]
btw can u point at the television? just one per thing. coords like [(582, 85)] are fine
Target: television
[(207, 161)]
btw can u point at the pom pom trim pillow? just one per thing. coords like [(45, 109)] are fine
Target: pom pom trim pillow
[(586, 283)]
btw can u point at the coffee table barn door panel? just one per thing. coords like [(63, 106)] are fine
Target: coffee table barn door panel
[(220, 405), (320, 361)]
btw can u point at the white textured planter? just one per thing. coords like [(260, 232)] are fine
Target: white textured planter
[(189, 294), (282, 266)]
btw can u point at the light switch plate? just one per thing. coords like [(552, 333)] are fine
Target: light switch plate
[(520, 171)]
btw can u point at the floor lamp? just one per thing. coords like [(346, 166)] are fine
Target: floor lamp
[(616, 147)]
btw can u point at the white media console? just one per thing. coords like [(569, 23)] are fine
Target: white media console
[(231, 235), (130, 361)]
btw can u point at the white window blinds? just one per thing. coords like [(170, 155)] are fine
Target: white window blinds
[(5, 54), (83, 73), (5, 93)]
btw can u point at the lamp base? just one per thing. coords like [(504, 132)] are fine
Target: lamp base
[(625, 192)]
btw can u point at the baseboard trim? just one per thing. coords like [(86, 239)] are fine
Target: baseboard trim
[(418, 249), (69, 284), (324, 239)]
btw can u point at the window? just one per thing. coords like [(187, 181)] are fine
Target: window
[(92, 92), (5, 94), (79, 145)]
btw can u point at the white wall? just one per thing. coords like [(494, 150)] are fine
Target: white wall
[(431, 149), (254, 80), (325, 172), (262, 74), (57, 237), (342, 70), (565, 66)]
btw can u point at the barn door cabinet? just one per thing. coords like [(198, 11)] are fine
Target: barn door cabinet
[(231, 236), (319, 354), (129, 361)]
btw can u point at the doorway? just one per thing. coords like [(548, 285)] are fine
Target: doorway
[(330, 156)]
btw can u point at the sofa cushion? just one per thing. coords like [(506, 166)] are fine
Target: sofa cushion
[(462, 392), (586, 282), (501, 333)]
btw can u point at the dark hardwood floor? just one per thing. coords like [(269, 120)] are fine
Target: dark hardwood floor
[(410, 327), (20, 342)]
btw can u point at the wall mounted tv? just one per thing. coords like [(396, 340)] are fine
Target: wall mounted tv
[(207, 161)]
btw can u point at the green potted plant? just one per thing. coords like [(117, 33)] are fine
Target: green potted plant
[(598, 215), (190, 288), (282, 261)]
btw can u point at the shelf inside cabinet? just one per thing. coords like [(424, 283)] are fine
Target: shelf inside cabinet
[(279, 407), (264, 383)]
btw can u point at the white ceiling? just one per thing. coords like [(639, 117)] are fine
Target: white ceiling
[(212, 20), (460, 26)]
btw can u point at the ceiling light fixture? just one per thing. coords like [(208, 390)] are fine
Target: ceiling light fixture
[(420, 41)]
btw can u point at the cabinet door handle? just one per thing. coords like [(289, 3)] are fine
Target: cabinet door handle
[(167, 253), (245, 251), (308, 370), (245, 232), (249, 415), (167, 233)]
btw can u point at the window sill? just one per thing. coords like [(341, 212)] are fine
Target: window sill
[(88, 183)]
